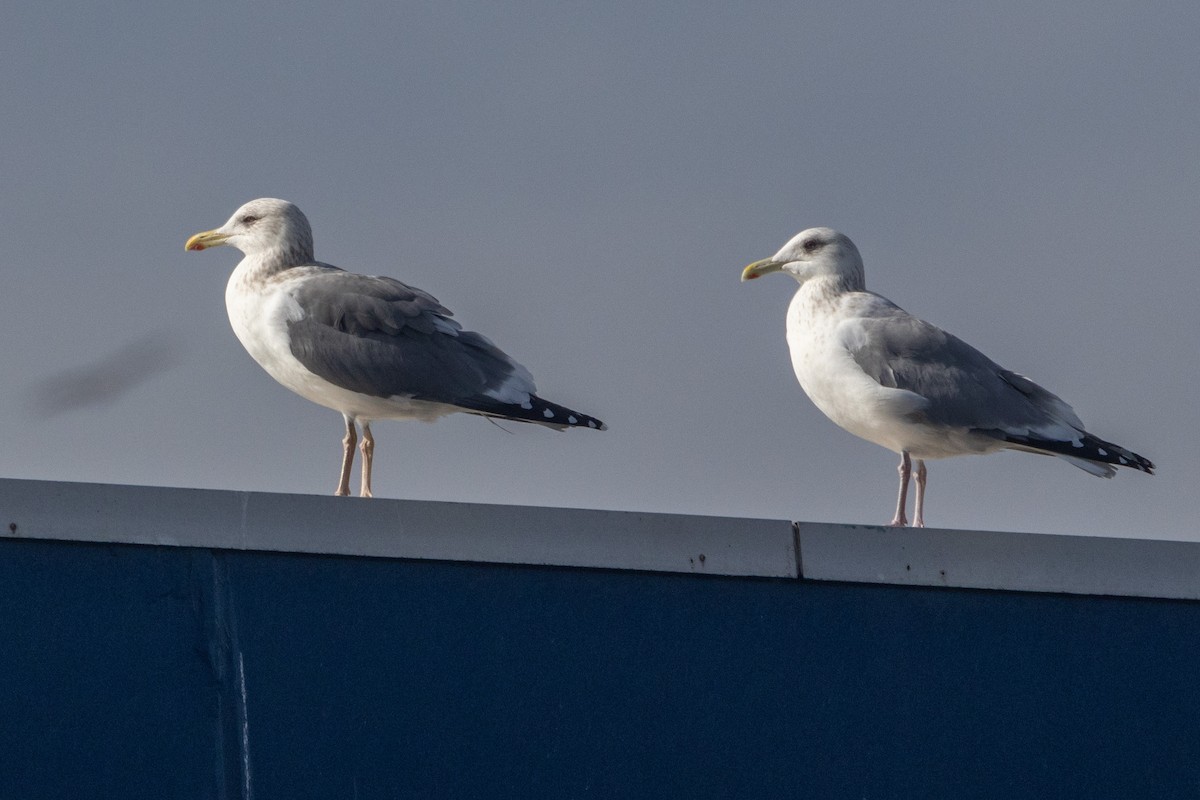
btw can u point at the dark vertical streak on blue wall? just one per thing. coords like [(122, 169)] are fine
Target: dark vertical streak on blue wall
[(216, 611)]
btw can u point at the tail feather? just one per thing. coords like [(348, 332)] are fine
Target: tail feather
[(1087, 452)]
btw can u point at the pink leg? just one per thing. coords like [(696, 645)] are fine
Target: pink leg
[(905, 469), (343, 489), (919, 517), (368, 451)]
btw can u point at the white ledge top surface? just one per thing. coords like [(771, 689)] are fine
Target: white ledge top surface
[(421, 529), (378, 527)]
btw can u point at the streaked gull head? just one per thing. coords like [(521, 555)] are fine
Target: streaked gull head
[(816, 252), (266, 227)]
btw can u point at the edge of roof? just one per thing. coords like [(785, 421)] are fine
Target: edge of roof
[(623, 540)]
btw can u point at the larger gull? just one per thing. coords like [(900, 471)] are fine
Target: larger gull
[(897, 381), (369, 347)]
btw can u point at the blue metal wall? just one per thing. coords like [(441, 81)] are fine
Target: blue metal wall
[(154, 672)]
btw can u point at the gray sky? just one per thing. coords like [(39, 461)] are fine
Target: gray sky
[(583, 183)]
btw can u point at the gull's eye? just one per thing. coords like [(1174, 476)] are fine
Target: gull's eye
[(812, 245), (249, 219)]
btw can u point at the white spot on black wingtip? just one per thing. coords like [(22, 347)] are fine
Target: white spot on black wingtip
[(571, 419), (1123, 460), (1101, 451), (547, 413), (591, 423), (527, 405)]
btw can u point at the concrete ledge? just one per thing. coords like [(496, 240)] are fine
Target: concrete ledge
[(396, 528), (599, 539), (1026, 562)]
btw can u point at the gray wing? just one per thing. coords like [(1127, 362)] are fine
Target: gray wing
[(964, 387), (380, 337)]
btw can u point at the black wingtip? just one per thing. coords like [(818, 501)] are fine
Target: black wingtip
[(539, 412), (1086, 448)]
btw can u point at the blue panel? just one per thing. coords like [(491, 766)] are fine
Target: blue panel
[(106, 685), (381, 679)]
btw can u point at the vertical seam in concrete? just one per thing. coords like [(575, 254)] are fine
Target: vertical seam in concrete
[(242, 520), (796, 545)]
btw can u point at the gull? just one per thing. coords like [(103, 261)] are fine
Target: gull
[(369, 347), (904, 384)]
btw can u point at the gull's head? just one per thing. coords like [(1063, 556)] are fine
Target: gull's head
[(814, 253), (263, 226)]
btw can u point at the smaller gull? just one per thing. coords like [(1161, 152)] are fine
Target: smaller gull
[(897, 381), (369, 347)]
